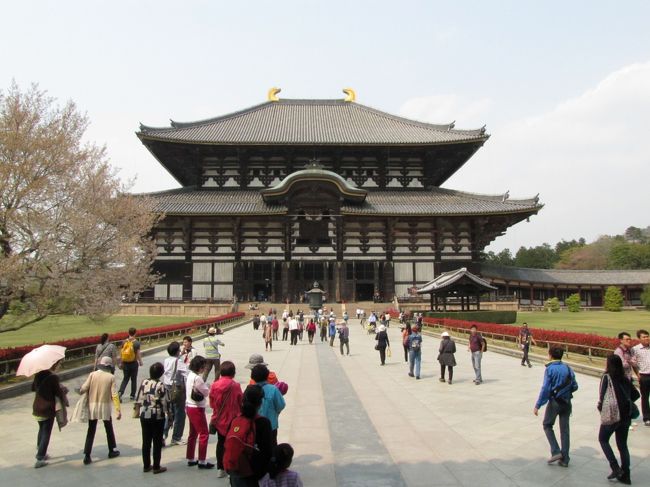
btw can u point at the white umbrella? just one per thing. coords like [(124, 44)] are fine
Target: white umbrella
[(41, 358)]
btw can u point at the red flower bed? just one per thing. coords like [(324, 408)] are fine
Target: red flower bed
[(575, 342), (19, 352)]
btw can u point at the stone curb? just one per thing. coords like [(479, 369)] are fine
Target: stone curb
[(26, 386)]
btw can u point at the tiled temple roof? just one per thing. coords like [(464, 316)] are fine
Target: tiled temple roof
[(436, 202), (311, 122), (566, 276)]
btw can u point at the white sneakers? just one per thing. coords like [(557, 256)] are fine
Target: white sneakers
[(221, 473)]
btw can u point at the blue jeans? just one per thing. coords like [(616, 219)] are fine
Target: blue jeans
[(177, 420), (476, 363), (43, 438), (553, 410), (415, 358)]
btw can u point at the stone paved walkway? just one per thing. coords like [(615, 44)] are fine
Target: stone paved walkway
[(354, 423)]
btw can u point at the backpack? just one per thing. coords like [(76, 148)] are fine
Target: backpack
[(239, 446), (128, 351), (415, 343), (483, 343)]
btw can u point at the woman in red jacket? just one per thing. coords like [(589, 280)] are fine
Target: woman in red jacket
[(225, 401)]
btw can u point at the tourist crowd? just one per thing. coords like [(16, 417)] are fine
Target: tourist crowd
[(246, 422)]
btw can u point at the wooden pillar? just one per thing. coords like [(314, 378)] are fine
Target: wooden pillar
[(337, 281), (478, 301), (532, 294), (375, 268), (284, 286), (626, 298)]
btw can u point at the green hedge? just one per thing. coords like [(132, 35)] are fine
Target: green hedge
[(501, 317)]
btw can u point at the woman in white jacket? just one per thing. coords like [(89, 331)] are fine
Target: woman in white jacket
[(196, 400)]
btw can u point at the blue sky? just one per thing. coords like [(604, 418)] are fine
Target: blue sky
[(563, 87)]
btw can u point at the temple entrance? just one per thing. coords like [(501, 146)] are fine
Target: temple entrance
[(364, 291)]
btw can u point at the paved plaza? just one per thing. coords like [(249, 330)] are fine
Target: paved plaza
[(355, 423)]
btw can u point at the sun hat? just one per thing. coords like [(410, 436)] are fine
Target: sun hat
[(212, 330), (444, 334), (254, 360), (106, 363)]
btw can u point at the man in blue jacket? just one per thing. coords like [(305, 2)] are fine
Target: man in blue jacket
[(557, 390)]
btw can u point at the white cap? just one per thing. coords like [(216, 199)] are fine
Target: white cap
[(444, 334)]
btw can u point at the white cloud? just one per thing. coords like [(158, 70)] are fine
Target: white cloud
[(589, 158)]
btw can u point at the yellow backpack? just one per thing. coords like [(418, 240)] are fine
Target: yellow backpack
[(128, 351)]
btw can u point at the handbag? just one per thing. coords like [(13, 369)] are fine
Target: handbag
[(196, 395), (388, 352), (61, 414), (609, 412), (377, 347), (136, 410), (81, 411)]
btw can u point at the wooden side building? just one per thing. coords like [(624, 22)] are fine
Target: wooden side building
[(286, 192)]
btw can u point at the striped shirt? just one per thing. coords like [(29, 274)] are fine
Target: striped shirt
[(642, 356)]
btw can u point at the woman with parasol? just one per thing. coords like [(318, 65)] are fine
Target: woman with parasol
[(43, 362)]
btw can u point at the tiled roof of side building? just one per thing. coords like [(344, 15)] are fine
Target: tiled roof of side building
[(566, 276), (439, 201), (311, 122)]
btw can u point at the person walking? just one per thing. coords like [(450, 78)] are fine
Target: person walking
[(273, 402), (105, 349), (344, 337), (414, 343), (249, 421), (285, 329), (557, 390), (256, 322), (153, 398), (196, 393), (275, 326), (382, 343), (174, 378), (212, 355), (406, 332), (301, 324), (641, 354), (129, 361), (323, 328), (48, 390), (332, 328), (293, 330), (524, 339), (267, 334), (476, 346), (225, 401), (446, 357), (311, 330), (615, 399), (100, 387)]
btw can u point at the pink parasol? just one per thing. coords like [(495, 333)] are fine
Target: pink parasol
[(41, 358)]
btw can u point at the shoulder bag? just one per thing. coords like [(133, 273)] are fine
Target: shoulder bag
[(609, 413), (195, 395)]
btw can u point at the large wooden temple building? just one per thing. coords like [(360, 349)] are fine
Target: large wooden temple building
[(288, 192)]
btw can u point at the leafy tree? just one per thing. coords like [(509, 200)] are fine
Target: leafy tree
[(573, 302), (592, 256), (540, 257), (613, 299), (635, 235), (552, 305), (565, 245), (625, 255), (645, 296), (502, 258), (71, 239)]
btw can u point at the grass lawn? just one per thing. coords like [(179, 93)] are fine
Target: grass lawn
[(604, 323), (56, 328)]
